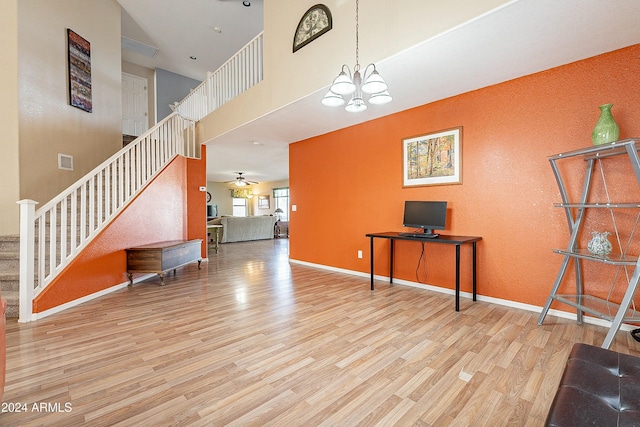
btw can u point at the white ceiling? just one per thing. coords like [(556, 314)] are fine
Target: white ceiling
[(523, 37), (181, 29)]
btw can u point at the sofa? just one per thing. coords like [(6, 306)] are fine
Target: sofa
[(599, 387), (245, 228)]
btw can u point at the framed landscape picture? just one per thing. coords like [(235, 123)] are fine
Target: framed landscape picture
[(432, 159), (79, 58)]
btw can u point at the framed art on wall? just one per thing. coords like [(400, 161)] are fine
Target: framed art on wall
[(432, 159), (263, 202), (315, 22), (79, 60)]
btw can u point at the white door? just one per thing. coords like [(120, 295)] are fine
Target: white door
[(135, 103)]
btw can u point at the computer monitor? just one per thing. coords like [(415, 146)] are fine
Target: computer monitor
[(428, 215)]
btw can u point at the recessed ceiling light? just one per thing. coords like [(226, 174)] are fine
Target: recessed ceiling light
[(246, 3), (217, 29), (257, 143)]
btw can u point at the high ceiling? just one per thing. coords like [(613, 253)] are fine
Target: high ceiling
[(212, 31), (521, 38)]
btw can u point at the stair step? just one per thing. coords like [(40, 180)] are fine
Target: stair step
[(10, 273), (9, 261), (13, 303), (9, 282), (9, 243)]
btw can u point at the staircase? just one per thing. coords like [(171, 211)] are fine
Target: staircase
[(59, 230), (10, 272)]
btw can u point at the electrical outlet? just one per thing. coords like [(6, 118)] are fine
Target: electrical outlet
[(359, 254)]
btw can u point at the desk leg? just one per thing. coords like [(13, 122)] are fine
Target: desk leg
[(457, 277), (371, 259), (474, 271), (392, 241)]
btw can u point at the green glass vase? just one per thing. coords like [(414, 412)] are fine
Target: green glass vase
[(606, 129)]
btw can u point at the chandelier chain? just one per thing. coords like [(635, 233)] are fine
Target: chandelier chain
[(356, 83), (357, 41)]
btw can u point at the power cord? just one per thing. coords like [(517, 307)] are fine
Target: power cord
[(422, 260)]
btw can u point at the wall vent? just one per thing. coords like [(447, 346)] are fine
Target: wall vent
[(65, 162)]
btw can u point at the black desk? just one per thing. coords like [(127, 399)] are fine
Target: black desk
[(392, 236)]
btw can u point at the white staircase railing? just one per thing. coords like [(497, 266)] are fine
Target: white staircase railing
[(241, 72), (54, 234)]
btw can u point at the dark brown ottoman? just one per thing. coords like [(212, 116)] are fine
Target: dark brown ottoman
[(599, 387)]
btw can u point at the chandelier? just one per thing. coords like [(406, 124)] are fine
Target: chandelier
[(369, 82)]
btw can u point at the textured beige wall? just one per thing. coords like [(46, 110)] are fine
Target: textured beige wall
[(9, 172), (386, 28), (48, 124)]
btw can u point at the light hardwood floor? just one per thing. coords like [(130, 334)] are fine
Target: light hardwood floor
[(251, 340)]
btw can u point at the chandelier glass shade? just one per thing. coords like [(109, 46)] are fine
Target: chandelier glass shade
[(369, 82)]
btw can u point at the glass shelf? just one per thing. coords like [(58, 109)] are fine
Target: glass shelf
[(600, 151), (598, 307), (631, 205), (594, 158), (611, 259)]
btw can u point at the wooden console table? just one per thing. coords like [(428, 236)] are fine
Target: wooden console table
[(215, 229), (392, 236), (162, 257)]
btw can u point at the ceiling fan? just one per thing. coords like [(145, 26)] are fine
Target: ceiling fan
[(241, 181)]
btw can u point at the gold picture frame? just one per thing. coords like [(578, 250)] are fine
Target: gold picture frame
[(432, 159)]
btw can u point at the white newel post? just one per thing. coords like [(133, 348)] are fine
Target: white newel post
[(27, 258)]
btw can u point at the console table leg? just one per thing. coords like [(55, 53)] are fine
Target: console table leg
[(457, 277), (371, 259), (130, 276), (161, 279), (474, 271), (391, 261)]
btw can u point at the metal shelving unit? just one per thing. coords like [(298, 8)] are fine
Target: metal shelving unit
[(621, 262)]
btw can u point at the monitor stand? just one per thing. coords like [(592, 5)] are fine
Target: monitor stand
[(429, 234), (424, 235)]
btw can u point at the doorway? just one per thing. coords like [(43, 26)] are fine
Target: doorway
[(135, 105)]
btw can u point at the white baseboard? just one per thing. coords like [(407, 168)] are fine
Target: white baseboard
[(68, 305), (468, 295), (65, 306)]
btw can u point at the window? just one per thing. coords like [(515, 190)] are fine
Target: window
[(281, 200), (239, 207)]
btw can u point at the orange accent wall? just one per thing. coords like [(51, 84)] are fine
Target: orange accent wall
[(349, 182), (197, 200), (167, 209)]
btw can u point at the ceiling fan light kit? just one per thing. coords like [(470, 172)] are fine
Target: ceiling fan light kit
[(241, 181), (369, 82)]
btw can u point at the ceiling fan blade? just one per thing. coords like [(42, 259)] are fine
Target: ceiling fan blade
[(241, 179)]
